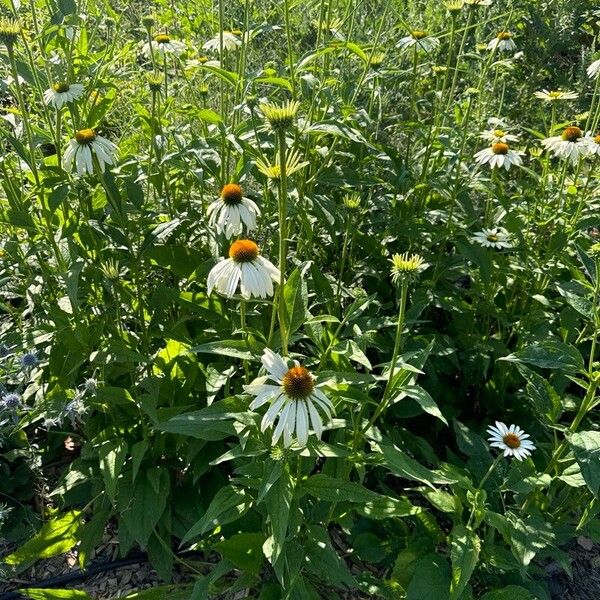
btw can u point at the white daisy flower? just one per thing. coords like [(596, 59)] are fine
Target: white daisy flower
[(230, 42), (498, 135), (62, 93), (231, 211), (164, 45), (421, 39), (295, 401), (593, 70), (87, 145), (496, 237), (244, 267), (556, 95), (499, 155), (571, 144), (502, 42), (513, 440), (593, 143)]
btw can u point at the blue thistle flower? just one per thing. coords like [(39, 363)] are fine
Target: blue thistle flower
[(10, 401), (29, 360)]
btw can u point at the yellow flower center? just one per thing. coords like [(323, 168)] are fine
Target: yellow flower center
[(298, 383), (572, 134), (418, 35), (60, 87), (492, 237), (512, 441), (504, 35), (554, 95), (243, 251), (597, 139), (162, 38), (500, 148), (203, 59), (231, 194), (85, 136), (499, 133)]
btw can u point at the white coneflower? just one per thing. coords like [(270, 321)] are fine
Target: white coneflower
[(570, 144), (513, 440), (164, 45), (244, 267), (62, 93), (499, 155), (497, 237), (295, 401), (502, 42), (593, 143), (84, 147), (498, 135), (230, 42), (593, 70), (231, 211), (421, 39), (556, 95)]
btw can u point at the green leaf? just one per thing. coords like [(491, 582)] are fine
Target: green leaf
[(56, 536), (464, 553), (54, 594), (244, 550), (213, 422), (228, 504), (550, 354), (431, 580), (279, 81), (233, 348), (228, 76), (425, 401), (296, 300), (337, 129), (528, 537), (543, 396), (67, 7), (404, 466), (161, 592), (278, 501), (112, 458), (511, 592), (586, 448), (206, 114), (90, 536), (142, 507), (369, 503)]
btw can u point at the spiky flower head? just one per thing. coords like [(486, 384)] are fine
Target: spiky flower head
[(10, 401), (273, 170), (29, 360), (352, 201), (148, 22), (280, 116), (454, 6), (155, 82), (10, 30), (406, 267), (376, 60)]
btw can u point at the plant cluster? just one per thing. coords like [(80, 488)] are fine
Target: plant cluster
[(308, 288)]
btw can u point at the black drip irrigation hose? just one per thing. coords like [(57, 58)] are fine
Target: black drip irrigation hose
[(93, 569)]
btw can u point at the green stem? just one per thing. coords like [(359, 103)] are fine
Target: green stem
[(282, 240), (397, 346)]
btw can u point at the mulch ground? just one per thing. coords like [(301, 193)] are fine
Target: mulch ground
[(109, 585)]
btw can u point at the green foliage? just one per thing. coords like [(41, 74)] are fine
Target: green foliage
[(311, 414)]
